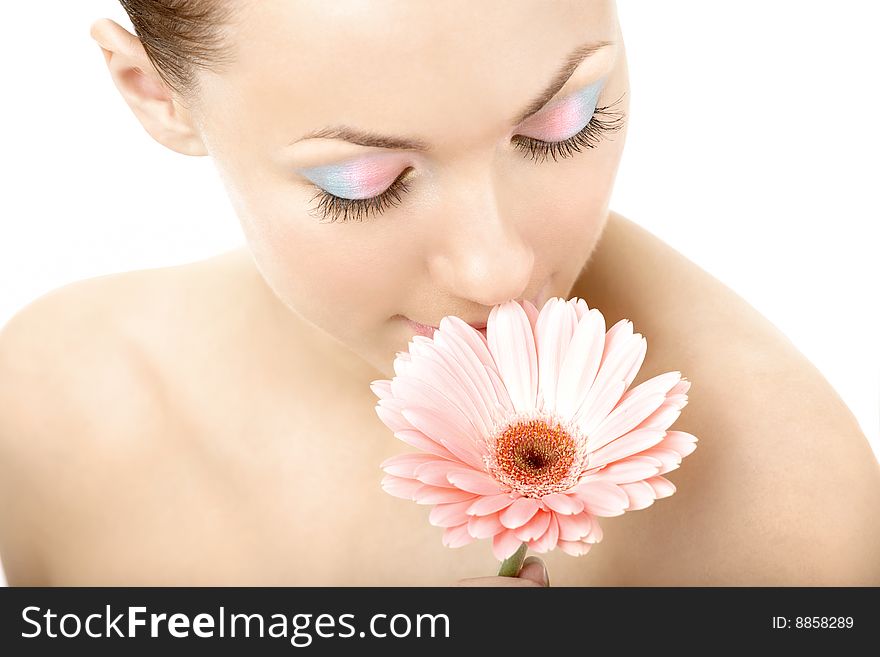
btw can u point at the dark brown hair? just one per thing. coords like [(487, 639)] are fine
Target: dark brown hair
[(182, 36)]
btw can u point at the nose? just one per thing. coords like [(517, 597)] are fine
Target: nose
[(480, 254)]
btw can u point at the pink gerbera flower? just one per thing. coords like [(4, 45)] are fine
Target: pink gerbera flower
[(529, 434)]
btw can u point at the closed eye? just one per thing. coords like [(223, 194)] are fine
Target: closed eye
[(603, 122), (342, 209)]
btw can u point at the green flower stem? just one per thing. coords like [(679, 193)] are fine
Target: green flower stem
[(510, 566)]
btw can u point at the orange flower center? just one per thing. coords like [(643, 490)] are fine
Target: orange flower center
[(534, 457)]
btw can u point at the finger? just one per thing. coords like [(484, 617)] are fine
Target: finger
[(497, 581), (535, 570)]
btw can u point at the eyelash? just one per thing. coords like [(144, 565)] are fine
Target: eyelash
[(605, 121), (358, 209)]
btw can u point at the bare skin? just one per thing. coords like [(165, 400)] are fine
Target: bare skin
[(177, 426), (212, 423)]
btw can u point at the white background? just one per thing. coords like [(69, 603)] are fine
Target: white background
[(752, 149)]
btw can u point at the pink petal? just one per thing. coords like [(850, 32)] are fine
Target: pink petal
[(669, 458), (445, 431), (404, 465), (449, 340), (472, 339), (662, 486), (423, 387), (548, 540), (435, 472), (504, 544), (661, 383), (574, 548), (474, 482), (504, 402), (637, 363), (457, 536), (573, 313), (602, 498), (582, 357), (641, 495), (390, 415), (402, 362), (625, 417), (554, 329), (622, 350), (381, 388), (574, 528), (512, 345), (632, 443), (442, 369), (617, 341), (458, 379), (669, 411), (535, 527), (657, 386), (485, 526), (590, 414), (595, 534), (663, 417), (563, 504), (682, 442), (400, 487), (532, 314), (427, 494), (633, 468), (483, 506), (417, 439), (580, 306), (426, 389), (449, 515), (519, 513)]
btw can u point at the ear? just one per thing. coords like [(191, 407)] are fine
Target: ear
[(150, 98)]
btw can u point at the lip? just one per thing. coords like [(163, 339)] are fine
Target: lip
[(428, 330), (420, 329)]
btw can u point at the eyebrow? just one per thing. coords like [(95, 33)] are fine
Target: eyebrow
[(368, 138)]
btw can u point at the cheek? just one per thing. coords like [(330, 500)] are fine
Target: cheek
[(324, 277), (562, 214), (326, 273), (341, 277), (569, 190), (317, 270)]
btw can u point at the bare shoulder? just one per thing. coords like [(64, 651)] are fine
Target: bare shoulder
[(59, 346), (784, 487), (81, 394), (82, 347)]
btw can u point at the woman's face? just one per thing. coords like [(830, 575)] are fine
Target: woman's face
[(412, 114)]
